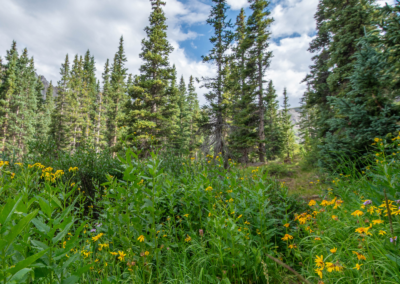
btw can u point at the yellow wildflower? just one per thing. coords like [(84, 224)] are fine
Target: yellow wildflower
[(357, 213), (286, 225), (141, 238), (333, 250), (358, 266), (319, 261)]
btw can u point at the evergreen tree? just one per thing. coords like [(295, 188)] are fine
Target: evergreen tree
[(184, 117), (287, 128), (258, 36), (273, 131), (59, 128), (242, 136), (221, 41), (117, 95), (152, 110), (194, 115), (102, 108), (8, 88)]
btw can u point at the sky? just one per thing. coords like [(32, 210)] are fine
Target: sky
[(51, 29)]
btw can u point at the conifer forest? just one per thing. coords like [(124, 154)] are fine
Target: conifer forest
[(129, 178)]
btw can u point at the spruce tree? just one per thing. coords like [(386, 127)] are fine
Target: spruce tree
[(258, 36), (184, 117), (287, 128), (8, 88), (152, 110), (273, 131), (221, 41), (59, 128), (117, 95), (194, 115), (244, 119)]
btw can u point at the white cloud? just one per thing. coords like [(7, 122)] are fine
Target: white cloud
[(294, 16), (51, 29), (289, 66), (237, 4)]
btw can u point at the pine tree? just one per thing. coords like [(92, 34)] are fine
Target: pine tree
[(242, 136), (102, 108), (117, 94), (221, 41), (7, 91), (194, 115), (287, 128), (273, 131), (59, 128), (258, 36), (152, 110), (184, 117)]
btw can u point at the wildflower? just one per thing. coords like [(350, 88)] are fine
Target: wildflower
[(360, 256), (287, 237), (121, 256), (114, 253), (319, 272), (324, 202), (330, 266), (379, 221), (141, 238), (73, 169), (367, 202), (357, 213), (381, 232), (333, 250), (362, 230), (240, 216), (334, 217), (209, 188), (317, 239), (231, 200), (302, 221), (393, 239), (64, 243), (12, 175), (188, 238), (186, 215), (99, 224), (286, 225), (93, 230), (146, 253), (96, 238), (247, 223), (209, 214), (358, 266), (292, 246), (319, 261)]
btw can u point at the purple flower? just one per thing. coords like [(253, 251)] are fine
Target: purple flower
[(367, 202), (393, 239), (398, 201), (93, 230), (99, 224)]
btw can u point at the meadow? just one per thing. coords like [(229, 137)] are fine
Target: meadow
[(86, 218)]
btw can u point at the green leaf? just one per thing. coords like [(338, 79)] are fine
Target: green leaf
[(57, 201), (17, 229), (19, 275), (75, 277), (39, 244), (44, 205), (22, 264), (8, 210), (62, 234), (41, 226), (70, 260), (66, 212)]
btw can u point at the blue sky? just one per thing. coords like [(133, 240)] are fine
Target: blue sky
[(51, 29)]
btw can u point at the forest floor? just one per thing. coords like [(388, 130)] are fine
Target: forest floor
[(300, 179)]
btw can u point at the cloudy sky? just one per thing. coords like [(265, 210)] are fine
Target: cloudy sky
[(50, 29)]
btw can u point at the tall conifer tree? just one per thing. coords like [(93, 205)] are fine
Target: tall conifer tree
[(153, 102), (258, 35), (221, 41), (117, 94)]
